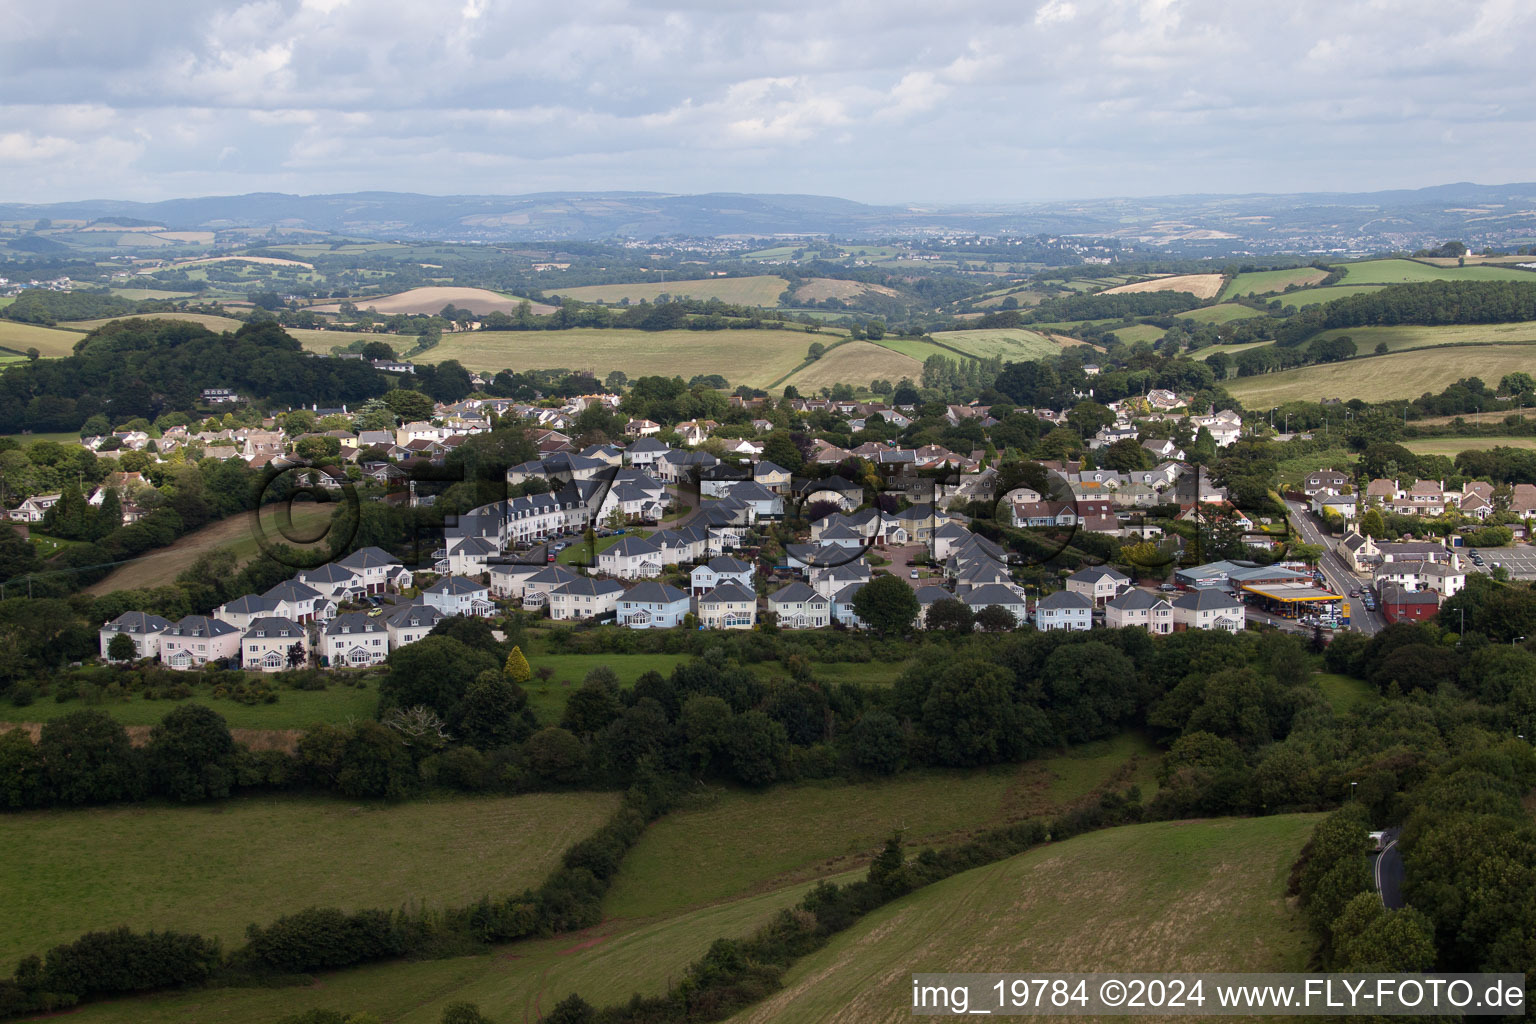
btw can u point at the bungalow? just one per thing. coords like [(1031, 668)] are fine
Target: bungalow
[(140, 627), (1139, 609), (585, 598), (1001, 595), (1064, 609), (799, 607), (459, 595), (355, 641), (1044, 513), (268, 645), (196, 640), (32, 509), (1208, 608), (652, 605), (631, 558), (1098, 583), (409, 623), (728, 606), (718, 571)]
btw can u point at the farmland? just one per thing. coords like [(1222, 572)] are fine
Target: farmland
[(1406, 337), (237, 534), (1224, 313), (49, 341), (1266, 282), (1167, 896), (208, 320), (1380, 378), (742, 357), (1008, 342), (1328, 293), (762, 290), (431, 301), (324, 341), (1453, 446), (1405, 271), (294, 709), (856, 363), (217, 868), (818, 288), (1202, 286)]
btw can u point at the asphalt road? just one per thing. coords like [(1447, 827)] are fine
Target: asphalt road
[(1339, 577), (1389, 872)]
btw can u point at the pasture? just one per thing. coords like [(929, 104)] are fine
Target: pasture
[(1454, 446), (294, 709), (1202, 286), (430, 301), (1167, 896), (1329, 293), (741, 356), (1224, 313), (818, 288), (1138, 332), (1231, 350), (239, 534), (324, 341), (208, 320), (1267, 282), (1012, 343), (1409, 336), (761, 290), (51, 342), (1380, 378), (214, 869), (856, 363), (141, 294), (1408, 271)]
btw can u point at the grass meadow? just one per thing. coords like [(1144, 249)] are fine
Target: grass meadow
[(1453, 446), (1401, 375), (208, 320), (50, 342), (1409, 271), (1009, 342), (856, 363), (762, 290), (1166, 896), (214, 869), (1267, 282), (1406, 337), (1223, 313)]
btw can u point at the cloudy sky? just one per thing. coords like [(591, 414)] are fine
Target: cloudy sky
[(876, 100)]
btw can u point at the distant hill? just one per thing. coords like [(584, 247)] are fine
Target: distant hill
[(1210, 224)]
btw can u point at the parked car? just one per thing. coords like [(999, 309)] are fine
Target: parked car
[(1167, 588), (914, 574)]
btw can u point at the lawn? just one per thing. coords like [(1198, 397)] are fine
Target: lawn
[(743, 842), (1379, 378), (1406, 271), (294, 709), (1167, 896), (762, 290), (856, 363), (756, 358), (1345, 693), (239, 534), (1408, 336), (1223, 313), (1013, 343), (1453, 446), (216, 868), (49, 341), (1266, 282)]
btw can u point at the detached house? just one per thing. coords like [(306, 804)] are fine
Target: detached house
[(652, 605), (720, 570), (196, 640), (378, 569), (1002, 596), (631, 558), (728, 606), (800, 607), (409, 623), (1139, 609), (585, 598), (143, 629), (459, 595), (355, 641), (268, 645), (1098, 583), (1064, 610), (32, 509), (1208, 609)]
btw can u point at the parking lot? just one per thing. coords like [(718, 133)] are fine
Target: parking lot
[(1520, 561)]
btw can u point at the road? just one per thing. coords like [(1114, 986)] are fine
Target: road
[(1389, 872), (1334, 570)]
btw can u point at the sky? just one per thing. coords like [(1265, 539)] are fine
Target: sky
[(957, 101)]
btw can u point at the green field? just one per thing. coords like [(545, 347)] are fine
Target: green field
[(49, 341), (763, 290), (1405, 337), (745, 842), (1138, 332), (1231, 350), (1404, 271), (324, 341), (1223, 313), (62, 437), (1345, 693), (756, 358), (1266, 282), (1012, 343), (294, 709), (1453, 446), (1167, 896), (208, 320), (857, 363), (214, 869), (1317, 296), (1379, 378), (548, 699), (140, 294), (239, 534)]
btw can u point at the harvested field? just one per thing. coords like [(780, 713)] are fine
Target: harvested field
[(1202, 286), (430, 301)]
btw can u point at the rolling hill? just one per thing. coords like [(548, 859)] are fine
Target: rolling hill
[(1406, 374)]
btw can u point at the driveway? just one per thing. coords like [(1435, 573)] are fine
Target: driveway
[(1339, 576), (901, 563)]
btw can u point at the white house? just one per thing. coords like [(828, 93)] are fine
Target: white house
[(32, 509), (585, 598), (459, 595), (1208, 608), (1140, 609), (800, 607), (1098, 583), (409, 623), (196, 640), (379, 569), (1064, 610), (652, 605), (334, 580), (267, 645), (242, 611), (508, 578), (299, 602), (631, 558), (646, 451), (143, 629), (1445, 580), (355, 640), (719, 570), (728, 606), (999, 594), (538, 587)]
